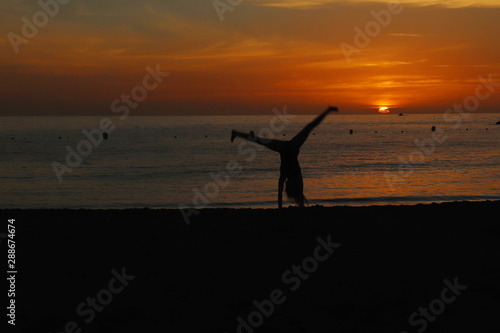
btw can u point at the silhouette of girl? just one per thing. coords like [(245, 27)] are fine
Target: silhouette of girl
[(290, 173)]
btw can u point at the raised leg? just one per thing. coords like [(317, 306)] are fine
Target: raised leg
[(276, 145), (301, 137)]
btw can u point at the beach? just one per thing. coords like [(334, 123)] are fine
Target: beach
[(336, 269)]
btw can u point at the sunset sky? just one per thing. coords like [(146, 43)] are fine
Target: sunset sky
[(264, 54)]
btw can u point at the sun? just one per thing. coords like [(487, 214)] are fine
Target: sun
[(384, 109)]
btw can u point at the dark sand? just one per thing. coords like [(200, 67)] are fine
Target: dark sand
[(201, 277)]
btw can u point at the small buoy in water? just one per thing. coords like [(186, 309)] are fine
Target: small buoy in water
[(433, 128), (314, 133), (375, 131), (351, 131), (175, 136), (60, 138), (284, 134), (13, 138), (105, 135), (206, 136)]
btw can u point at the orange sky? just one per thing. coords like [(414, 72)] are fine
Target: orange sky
[(264, 54)]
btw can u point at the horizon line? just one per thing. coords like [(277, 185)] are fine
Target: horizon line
[(237, 115)]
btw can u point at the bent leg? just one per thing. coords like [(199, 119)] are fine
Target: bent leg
[(276, 145), (301, 137)]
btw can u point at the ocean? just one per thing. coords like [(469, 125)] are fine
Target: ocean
[(189, 161)]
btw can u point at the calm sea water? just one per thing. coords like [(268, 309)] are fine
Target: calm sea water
[(161, 162)]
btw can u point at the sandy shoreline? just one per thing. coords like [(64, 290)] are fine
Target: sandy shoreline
[(154, 271)]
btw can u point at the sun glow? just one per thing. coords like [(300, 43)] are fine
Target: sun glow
[(384, 109)]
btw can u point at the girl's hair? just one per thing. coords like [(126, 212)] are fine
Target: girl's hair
[(294, 192)]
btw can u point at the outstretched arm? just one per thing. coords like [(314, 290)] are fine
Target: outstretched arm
[(301, 137), (276, 145)]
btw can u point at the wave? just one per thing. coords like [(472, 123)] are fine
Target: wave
[(350, 201), (403, 199), (356, 201)]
